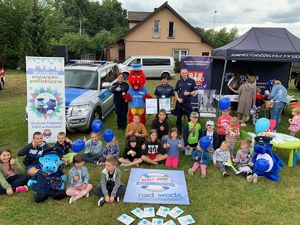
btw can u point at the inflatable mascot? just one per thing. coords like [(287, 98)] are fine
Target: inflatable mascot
[(49, 180), (266, 163), (137, 93)]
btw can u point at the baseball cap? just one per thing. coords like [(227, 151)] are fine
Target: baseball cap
[(194, 114), (210, 123)]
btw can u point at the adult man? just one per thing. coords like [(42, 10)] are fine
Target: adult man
[(184, 90), (119, 88), (165, 90)]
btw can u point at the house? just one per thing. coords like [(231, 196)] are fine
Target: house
[(162, 32)]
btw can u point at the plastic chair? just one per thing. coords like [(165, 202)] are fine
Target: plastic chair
[(296, 156)]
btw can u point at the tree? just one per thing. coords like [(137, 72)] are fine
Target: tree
[(221, 37), (78, 45), (101, 40)]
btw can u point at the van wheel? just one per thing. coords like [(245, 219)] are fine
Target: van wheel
[(165, 75), (97, 115), (125, 74)]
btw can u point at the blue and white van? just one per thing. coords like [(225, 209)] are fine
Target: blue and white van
[(88, 92)]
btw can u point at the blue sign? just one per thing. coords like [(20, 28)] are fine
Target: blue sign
[(156, 186)]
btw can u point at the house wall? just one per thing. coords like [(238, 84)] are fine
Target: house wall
[(141, 41), (114, 52)]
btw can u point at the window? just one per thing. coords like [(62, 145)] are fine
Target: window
[(156, 62), (135, 61), (156, 29), (171, 30), (205, 53), (177, 54)]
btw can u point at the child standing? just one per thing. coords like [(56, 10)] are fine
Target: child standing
[(201, 159), (232, 133), (210, 125), (173, 145), (152, 151), (295, 122), (112, 148), (110, 188), (192, 132), (243, 160), (93, 149), (64, 143), (78, 180), (32, 153), (11, 179), (131, 154), (221, 156), (223, 122)]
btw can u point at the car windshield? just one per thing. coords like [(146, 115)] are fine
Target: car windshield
[(126, 61), (81, 79)]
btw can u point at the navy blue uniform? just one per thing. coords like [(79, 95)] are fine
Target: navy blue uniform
[(121, 105), (184, 108), (164, 91)]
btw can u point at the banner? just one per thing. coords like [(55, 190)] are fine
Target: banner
[(157, 187), (45, 96)]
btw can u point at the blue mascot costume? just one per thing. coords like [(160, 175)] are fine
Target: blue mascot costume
[(266, 163), (49, 180)]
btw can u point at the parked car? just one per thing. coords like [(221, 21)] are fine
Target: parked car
[(88, 93), (2, 75), (153, 66)]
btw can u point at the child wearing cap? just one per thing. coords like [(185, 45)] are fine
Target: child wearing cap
[(131, 154), (210, 125), (192, 132), (223, 122)]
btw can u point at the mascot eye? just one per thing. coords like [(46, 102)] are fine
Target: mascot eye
[(138, 75), (47, 160), (55, 161)]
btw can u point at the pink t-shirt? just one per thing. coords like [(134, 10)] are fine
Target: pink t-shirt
[(295, 124), (223, 122), (9, 170)]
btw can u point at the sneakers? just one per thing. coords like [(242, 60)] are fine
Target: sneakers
[(225, 174), (20, 189), (117, 199), (101, 202), (249, 178), (72, 200), (203, 176), (255, 178), (190, 171)]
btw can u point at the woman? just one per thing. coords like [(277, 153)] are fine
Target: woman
[(119, 88), (234, 83), (279, 97), (246, 98)]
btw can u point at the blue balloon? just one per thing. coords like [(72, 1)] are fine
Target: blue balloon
[(224, 104), (108, 135), (78, 145), (262, 125), (262, 165), (205, 142), (97, 126)]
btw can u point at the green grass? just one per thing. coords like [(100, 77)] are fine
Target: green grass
[(213, 201)]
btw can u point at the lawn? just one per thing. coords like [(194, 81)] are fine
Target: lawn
[(215, 200)]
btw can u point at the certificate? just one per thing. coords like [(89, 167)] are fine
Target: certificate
[(151, 106)]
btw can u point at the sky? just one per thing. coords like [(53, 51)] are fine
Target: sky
[(242, 14)]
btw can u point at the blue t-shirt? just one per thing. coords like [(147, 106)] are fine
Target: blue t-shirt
[(137, 97), (173, 149)]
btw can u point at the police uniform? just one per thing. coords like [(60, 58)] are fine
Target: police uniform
[(164, 91), (184, 108), (119, 101)]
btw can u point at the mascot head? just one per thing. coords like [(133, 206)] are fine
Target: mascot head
[(136, 78), (50, 160)]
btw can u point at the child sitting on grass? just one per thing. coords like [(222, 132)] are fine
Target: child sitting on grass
[(201, 159), (173, 145), (221, 156), (131, 154), (112, 148), (93, 149), (64, 143), (11, 179), (78, 180), (110, 188)]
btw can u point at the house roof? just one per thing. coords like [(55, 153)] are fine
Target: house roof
[(166, 5), (134, 16)]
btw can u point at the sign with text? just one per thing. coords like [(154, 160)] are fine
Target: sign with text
[(157, 186), (45, 96), (151, 105)]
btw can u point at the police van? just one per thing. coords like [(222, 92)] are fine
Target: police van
[(88, 92)]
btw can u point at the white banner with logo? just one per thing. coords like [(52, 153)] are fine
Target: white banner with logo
[(45, 96)]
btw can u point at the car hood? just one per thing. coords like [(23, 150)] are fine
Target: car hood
[(78, 96)]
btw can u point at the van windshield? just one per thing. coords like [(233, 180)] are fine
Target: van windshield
[(81, 79)]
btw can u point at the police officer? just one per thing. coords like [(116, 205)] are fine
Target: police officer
[(119, 88), (184, 90), (165, 90)]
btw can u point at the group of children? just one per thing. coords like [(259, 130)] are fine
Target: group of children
[(161, 146)]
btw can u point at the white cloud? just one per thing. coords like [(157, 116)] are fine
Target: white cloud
[(242, 14)]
